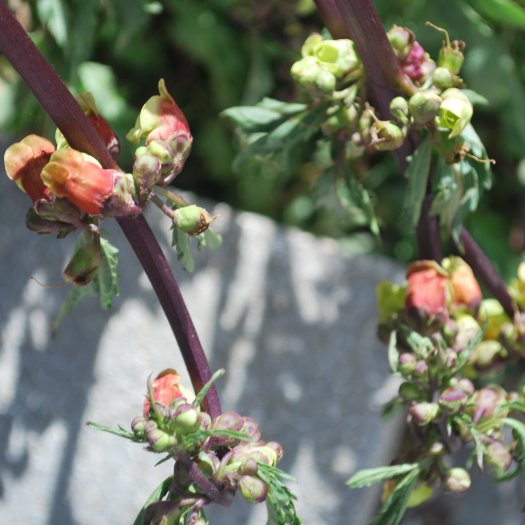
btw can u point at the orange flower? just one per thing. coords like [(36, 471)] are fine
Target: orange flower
[(166, 387), (79, 178), (465, 287), (427, 288), (24, 162)]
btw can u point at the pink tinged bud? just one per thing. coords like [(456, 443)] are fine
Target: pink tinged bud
[(452, 400), (166, 387), (421, 368), (251, 429), (407, 363), (424, 413), (485, 402), (417, 65), (498, 458), (137, 426), (24, 162), (427, 288), (159, 441), (253, 489), (457, 480)]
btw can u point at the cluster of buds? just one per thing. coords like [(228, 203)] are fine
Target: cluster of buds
[(443, 335), (228, 450), (330, 70), (70, 189)]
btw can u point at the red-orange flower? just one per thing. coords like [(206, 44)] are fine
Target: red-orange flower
[(427, 288), (79, 178), (166, 387), (24, 162), (465, 287)]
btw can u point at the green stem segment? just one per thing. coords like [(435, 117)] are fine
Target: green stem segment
[(64, 110)]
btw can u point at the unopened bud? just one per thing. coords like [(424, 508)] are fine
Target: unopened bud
[(386, 135), (424, 106), (339, 58), (451, 56), (407, 363), (442, 78), (452, 399), (399, 110), (159, 441), (185, 418), (457, 480), (498, 458), (424, 413), (137, 426), (253, 489), (401, 39), (192, 219)]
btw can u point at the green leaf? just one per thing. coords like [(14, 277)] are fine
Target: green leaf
[(505, 12), (209, 239), (518, 406), (519, 430), (106, 280), (120, 432), (156, 495), (252, 118), (394, 507), (393, 353), (285, 108), (475, 98), (417, 174), (75, 295), (477, 149), (204, 390), (465, 354), (369, 476), (479, 447), (52, 13), (447, 194), (419, 344), (360, 196), (280, 500), (181, 241)]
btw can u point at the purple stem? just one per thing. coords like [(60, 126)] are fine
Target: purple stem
[(62, 107)]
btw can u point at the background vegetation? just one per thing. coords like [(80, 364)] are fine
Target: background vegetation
[(218, 53)]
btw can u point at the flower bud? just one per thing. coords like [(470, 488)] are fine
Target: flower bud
[(38, 224), (451, 56), (401, 39), (421, 368), (277, 448), (226, 421), (24, 162), (192, 219), (455, 111), (137, 426), (492, 313), (204, 420), (386, 135), (325, 82), (452, 400), (466, 385), (146, 170), (424, 106), (86, 260), (185, 418), (409, 392), (484, 403), (465, 287), (467, 330), (442, 78), (339, 58), (399, 110), (250, 428), (253, 489), (310, 44), (166, 387), (498, 458), (457, 480), (407, 363), (426, 289), (424, 413), (418, 65), (159, 441)]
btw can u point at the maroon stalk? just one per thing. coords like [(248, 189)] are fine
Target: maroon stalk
[(385, 78), (64, 110)]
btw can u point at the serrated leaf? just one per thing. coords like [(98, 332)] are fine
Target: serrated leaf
[(181, 241), (395, 506), (360, 196), (75, 295), (393, 352), (106, 280), (417, 174), (155, 496), (369, 476)]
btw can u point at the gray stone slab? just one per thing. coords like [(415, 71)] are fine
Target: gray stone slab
[(291, 318)]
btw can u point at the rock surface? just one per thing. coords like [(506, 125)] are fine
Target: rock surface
[(289, 316)]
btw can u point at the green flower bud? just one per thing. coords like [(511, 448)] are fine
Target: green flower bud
[(310, 44), (498, 458), (253, 489), (159, 441), (486, 354), (305, 72), (455, 111), (146, 170), (399, 110), (339, 57), (161, 150), (424, 106), (401, 39), (451, 56), (325, 81), (442, 78), (457, 480), (137, 426), (409, 392), (492, 313), (386, 135), (424, 413), (192, 219), (185, 419)]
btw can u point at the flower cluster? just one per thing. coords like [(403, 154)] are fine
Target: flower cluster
[(70, 189), (226, 453), (443, 336), (331, 70)]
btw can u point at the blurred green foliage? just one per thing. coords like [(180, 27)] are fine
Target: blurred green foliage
[(220, 53)]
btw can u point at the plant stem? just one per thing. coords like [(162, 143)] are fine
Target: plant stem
[(332, 18), (64, 110), (483, 268)]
